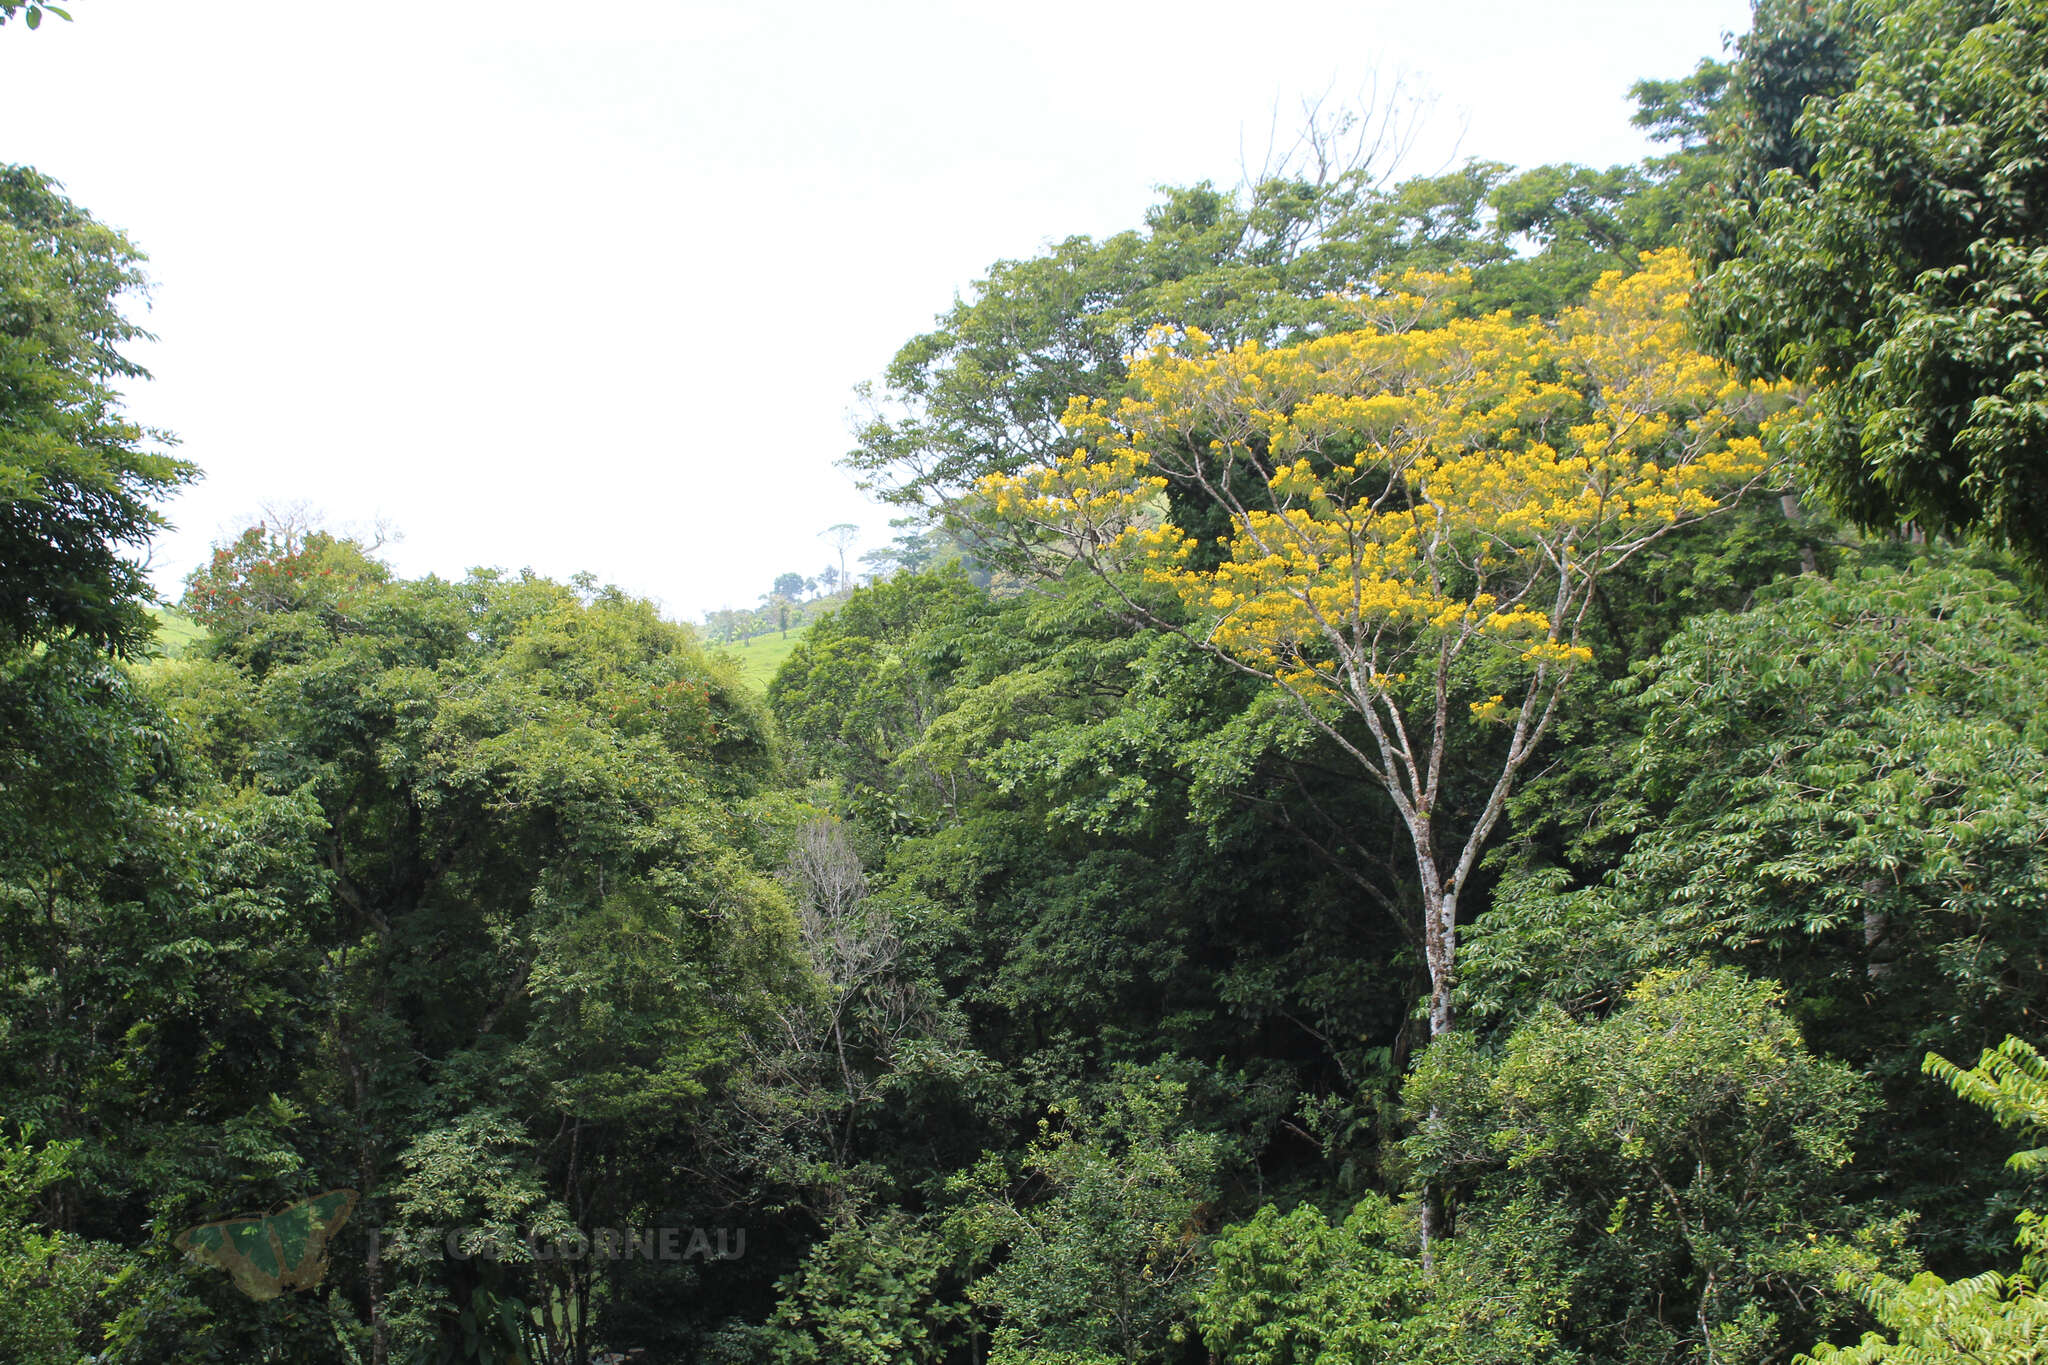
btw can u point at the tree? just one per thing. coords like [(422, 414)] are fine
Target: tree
[(1662, 1184), (854, 704), (834, 1053), (156, 931), (841, 538), (983, 392), (49, 1281), (1383, 522), (864, 1296), (535, 916), (1089, 1250), (1993, 1318), (1069, 824), (780, 605), (78, 481), (1841, 789), (1894, 257), (1296, 1289)]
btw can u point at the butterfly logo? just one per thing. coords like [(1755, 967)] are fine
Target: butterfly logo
[(268, 1253)]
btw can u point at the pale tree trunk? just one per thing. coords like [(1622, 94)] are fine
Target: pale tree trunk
[(1440, 946), (1441, 887), (1440, 951)]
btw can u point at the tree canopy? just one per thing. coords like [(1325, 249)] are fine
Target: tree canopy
[(1892, 257), (79, 482)]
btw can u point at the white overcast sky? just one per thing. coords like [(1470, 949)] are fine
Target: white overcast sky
[(588, 286)]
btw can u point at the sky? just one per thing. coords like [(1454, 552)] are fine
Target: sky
[(589, 287)]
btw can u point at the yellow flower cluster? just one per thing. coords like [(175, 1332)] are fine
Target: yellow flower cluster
[(1492, 709), (1423, 475)]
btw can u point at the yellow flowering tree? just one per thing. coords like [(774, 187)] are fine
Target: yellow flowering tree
[(1415, 517)]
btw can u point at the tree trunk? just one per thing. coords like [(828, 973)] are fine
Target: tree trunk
[(1440, 946)]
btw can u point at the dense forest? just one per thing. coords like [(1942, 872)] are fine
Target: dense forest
[(1448, 769)]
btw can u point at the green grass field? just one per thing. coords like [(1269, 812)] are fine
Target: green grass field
[(762, 655), (175, 631)]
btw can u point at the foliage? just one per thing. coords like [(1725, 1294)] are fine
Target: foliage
[(1068, 824), (1408, 512), (1842, 789), (850, 697), (78, 481), (51, 1283), (1097, 1261), (1661, 1184), (31, 12), (1031, 974), (1295, 1289), (1998, 1319), (868, 1295), (985, 391), (454, 894), (1894, 257)]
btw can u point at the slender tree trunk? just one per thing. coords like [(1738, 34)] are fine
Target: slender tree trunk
[(1440, 944), (1440, 947), (1439, 923)]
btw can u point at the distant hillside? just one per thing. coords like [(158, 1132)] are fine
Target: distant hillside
[(733, 625), (758, 657), (761, 655), (175, 631)]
